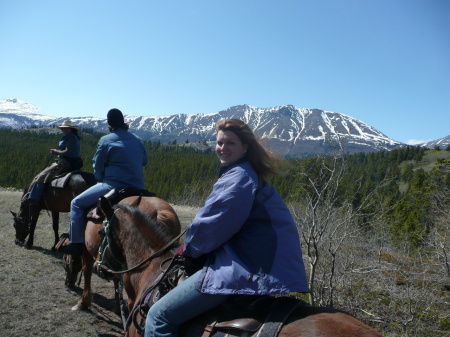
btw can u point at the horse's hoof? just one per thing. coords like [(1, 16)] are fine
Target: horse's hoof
[(76, 307), (71, 286), (28, 246), (53, 249), (19, 243)]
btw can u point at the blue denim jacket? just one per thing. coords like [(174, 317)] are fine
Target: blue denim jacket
[(251, 237), (120, 159)]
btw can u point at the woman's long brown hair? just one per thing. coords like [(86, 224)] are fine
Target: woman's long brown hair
[(264, 161)]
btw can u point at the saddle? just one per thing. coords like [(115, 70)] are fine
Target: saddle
[(61, 180), (241, 315), (115, 196), (245, 315)]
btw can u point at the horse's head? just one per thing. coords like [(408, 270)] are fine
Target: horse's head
[(109, 254), (135, 228), (21, 224)]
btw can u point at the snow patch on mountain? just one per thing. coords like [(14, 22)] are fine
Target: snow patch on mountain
[(292, 131)]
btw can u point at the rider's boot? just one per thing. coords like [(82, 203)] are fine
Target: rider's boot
[(74, 249), (36, 191)]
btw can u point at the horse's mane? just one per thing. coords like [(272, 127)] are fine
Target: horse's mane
[(158, 223)]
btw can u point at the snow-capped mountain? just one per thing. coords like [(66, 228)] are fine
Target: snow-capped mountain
[(16, 114), (441, 142), (293, 132)]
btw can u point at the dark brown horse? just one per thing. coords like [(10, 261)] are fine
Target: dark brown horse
[(54, 199), (152, 208), (134, 235)]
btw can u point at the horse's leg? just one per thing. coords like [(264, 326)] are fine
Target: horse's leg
[(90, 249), (86, 298), (116, 295), (34, 216), (72, 266), (55, 223)]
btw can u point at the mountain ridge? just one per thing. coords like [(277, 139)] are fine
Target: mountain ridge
[(293, 132)]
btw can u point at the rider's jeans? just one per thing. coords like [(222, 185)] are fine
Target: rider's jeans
[(178, 306), (79, 207)]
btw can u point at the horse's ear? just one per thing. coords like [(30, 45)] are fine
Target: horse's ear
[(14, 214), (106, 208), (137, 201)]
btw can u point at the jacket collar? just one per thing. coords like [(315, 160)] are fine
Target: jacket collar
[(225, 168)]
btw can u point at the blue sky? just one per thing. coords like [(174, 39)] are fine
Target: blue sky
[(385, 62)]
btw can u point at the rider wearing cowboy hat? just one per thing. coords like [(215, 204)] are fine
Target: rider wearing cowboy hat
[(69, 159)]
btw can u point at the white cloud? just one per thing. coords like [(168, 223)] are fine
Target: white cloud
[(417, 141)]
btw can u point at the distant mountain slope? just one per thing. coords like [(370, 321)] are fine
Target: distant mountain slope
[(441, 142), (293, 132)]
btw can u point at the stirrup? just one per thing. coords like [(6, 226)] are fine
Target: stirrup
[(61, 241)]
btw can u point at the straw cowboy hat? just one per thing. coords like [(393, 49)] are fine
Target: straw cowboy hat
[(68, 124)]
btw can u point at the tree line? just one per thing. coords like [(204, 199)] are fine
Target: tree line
[(185, 175)]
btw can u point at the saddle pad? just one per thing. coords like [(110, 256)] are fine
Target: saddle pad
[(60, 181)]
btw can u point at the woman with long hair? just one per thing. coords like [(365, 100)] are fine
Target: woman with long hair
[(245, 233)]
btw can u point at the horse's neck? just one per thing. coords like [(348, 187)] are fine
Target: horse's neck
[(24, 210), (143, 279)]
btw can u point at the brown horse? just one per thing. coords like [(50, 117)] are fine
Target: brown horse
[(153, 208), (54, 199), (134, 235)]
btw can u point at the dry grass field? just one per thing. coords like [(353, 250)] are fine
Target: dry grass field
[(35, 301)]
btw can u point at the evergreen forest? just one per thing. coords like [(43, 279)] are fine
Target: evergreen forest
[(374, 226)]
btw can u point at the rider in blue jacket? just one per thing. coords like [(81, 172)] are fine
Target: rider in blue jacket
[(246, 231), (118, 163)]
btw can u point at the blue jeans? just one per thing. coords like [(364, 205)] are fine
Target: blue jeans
[(178, 306), (78, 208)]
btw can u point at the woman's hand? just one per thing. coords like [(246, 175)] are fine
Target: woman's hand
[(179, 251), (54, 152)]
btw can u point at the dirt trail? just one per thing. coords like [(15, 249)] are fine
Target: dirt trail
[(35, 301)]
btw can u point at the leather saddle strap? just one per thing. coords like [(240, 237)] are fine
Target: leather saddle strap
[(279, 312)]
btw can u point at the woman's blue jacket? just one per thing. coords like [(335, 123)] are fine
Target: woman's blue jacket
[(250, 236)]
